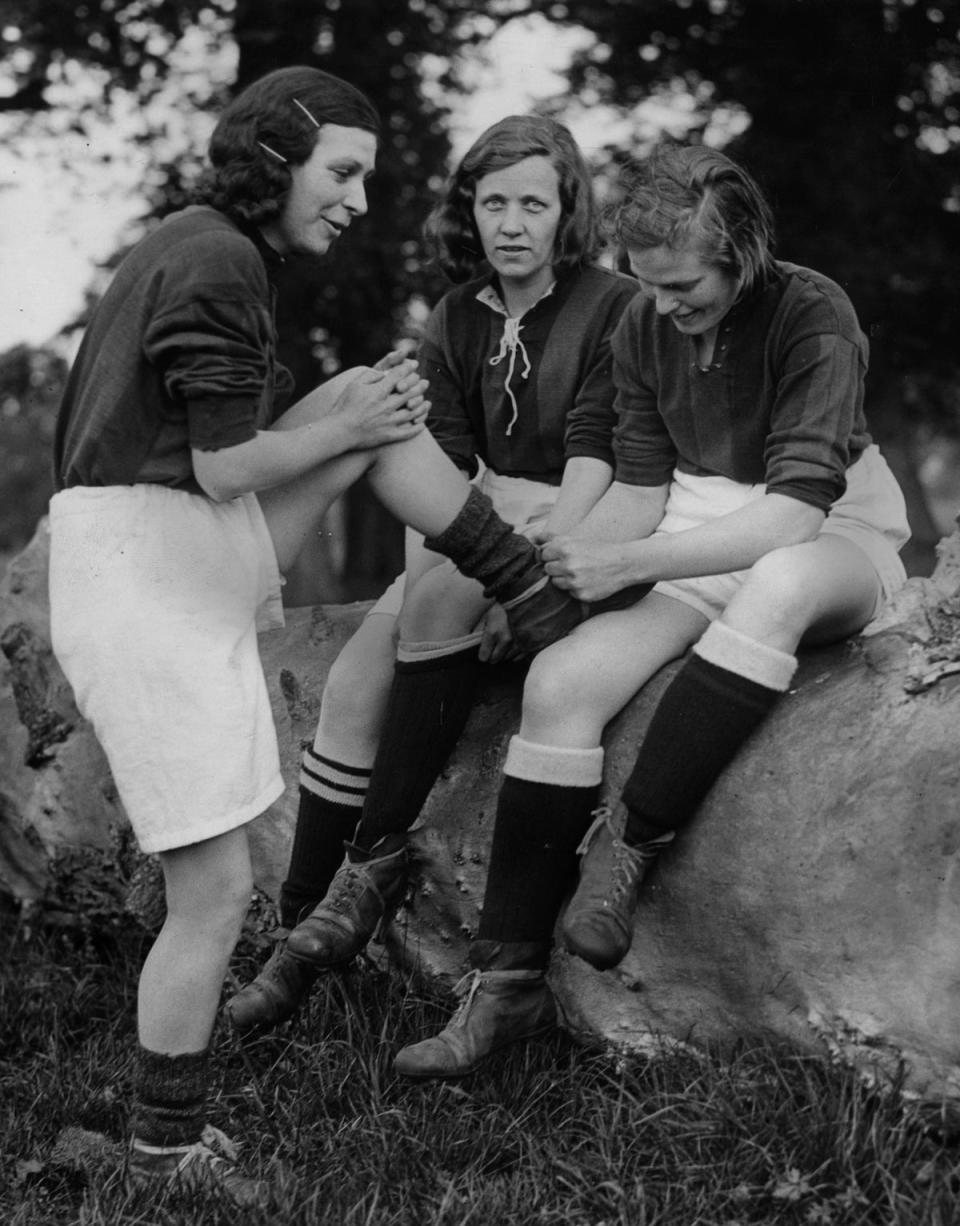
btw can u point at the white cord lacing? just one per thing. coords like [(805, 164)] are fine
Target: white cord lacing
[(510, 342)]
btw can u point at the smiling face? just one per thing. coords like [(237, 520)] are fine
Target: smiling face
[(326, 193), (517, 212), (684, 286)]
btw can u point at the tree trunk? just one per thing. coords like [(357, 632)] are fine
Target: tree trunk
[(814, 898)]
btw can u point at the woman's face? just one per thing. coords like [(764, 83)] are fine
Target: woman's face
[(517, 212), (693, 293), (326, 193)]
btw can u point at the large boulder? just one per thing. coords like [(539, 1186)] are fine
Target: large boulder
[(815, 898)]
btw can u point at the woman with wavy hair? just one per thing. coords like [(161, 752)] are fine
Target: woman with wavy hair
[(518, 360), (185, 488), (749, 494)]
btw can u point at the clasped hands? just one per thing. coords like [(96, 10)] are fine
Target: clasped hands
[(387, 403)]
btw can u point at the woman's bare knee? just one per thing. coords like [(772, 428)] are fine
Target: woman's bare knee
[(442, 605), (207, 892), (824, 583), (318, 400), (558, 707)]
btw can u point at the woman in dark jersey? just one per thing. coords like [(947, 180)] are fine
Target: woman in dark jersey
[(184, 490), (749, 494), (521, 387)]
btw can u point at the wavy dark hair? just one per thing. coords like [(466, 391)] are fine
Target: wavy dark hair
[(264, 131), (684, 196), (450, 229)]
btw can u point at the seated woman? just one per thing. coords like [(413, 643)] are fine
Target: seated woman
[(749, 493), (520, 373)]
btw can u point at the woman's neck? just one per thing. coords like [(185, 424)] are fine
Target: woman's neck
[(520, 296), (704, 345)]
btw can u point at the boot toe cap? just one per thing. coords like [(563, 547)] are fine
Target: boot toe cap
[(322, 945), (595, 941), (429, 1059)]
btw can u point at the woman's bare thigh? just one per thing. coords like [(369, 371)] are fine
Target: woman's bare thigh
[(575, 687)]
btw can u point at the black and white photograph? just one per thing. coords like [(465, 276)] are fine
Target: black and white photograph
[(480, 613)]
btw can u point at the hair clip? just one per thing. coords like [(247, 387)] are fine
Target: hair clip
[(297, 102), (272, 152)]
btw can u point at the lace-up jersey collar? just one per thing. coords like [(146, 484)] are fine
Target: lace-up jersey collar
[(510, 342)]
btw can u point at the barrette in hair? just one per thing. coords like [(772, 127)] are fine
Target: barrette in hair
[(297, 102), (272, 152)]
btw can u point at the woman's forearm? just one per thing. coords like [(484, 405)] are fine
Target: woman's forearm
[(585, 481), (271, 458), (731, 543), (358, 410), (624, 513), (593, 569)]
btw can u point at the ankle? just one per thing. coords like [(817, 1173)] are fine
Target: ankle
[(642, 833), (490, 954), (170, 1097)]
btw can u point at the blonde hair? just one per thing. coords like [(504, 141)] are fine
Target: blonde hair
[(693, 196)]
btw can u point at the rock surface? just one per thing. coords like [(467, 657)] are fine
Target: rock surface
[(816, 898)]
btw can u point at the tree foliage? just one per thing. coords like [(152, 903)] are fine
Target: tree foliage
[(854, 130), (850, 118), (851, 111), (353, 307)]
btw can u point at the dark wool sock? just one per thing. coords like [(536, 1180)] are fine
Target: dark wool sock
[(170, 1097), (533, 861), (539, 825), (704, 717), (508, 565), (331, 796), (484, 547), (430, 700)]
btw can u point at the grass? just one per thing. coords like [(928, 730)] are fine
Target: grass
[(551, 1133)]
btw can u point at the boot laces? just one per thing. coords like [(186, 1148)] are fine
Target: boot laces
[(213, 1140), (601, 817), (628, 865), (214, 1150), (466, 989), (345, 888)]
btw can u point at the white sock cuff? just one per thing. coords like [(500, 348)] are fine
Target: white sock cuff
[(339, 782), (570, 768), (319, 755), (410, 652), (737, 653)]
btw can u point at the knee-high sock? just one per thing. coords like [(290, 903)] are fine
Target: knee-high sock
[(722, 692), (508, 565), (170, 1097), (331, 801), (486, 548), (430, 699), (543, 811)]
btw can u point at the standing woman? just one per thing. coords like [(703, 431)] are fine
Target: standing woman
[(749, 493), (520, 371), (184, 492)]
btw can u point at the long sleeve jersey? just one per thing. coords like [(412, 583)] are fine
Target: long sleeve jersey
[(525, 395), (781, 403), (180, 354)]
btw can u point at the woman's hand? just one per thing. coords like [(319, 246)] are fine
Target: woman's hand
[(391, 359), (497, 642), (383, 405), (540, 534), (588, 569)]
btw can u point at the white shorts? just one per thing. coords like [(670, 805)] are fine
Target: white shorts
[(871, 513), (156, 597), (523, 503)]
